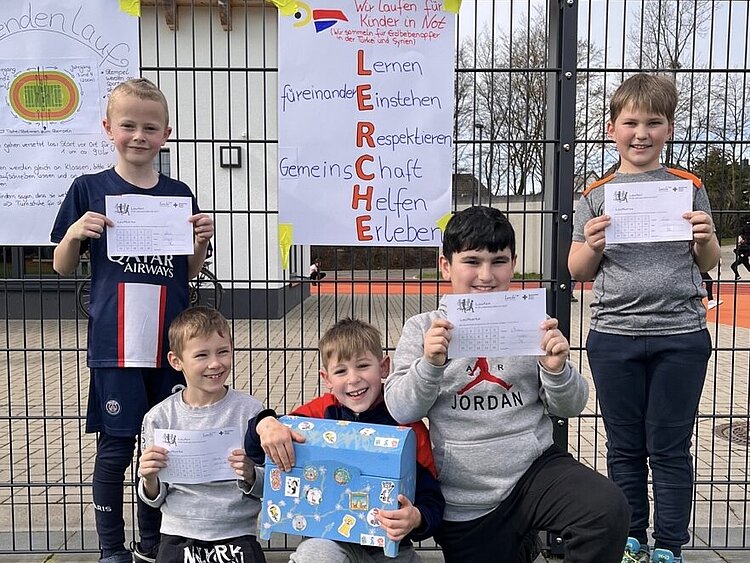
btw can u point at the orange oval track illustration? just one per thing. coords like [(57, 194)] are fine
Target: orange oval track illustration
[(45, 95)]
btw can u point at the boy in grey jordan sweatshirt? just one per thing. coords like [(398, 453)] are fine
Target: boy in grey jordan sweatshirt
[(498, 468)]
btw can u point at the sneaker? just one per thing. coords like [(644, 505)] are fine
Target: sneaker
[(711, 304), (140, 556), (636, 552), (119, 557), (661, 555)]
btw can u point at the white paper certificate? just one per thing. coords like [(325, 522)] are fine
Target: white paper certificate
[(648, 211), (198, 456), (148, 225), (500, 323)]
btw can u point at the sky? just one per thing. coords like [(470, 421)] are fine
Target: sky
[(725, 45)]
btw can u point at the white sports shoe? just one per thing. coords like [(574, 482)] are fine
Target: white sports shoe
[(714, 303)]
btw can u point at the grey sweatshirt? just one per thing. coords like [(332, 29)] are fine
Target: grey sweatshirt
[(651, 288), (206, 511), (487, 435)]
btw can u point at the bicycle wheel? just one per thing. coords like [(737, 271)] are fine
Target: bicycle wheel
[(83, 297), (206, 290)]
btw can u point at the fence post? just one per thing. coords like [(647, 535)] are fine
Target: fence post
[(559, 178)]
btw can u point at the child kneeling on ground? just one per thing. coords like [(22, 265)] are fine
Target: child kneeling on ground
[(500, 472), (353, 370)]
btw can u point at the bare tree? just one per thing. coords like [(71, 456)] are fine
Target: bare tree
[(730, 114), (508, 97), (663, 38), (464, 109)]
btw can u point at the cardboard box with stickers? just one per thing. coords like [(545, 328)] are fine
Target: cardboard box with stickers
[(344, 473)]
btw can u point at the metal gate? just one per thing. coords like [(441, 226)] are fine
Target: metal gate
[(532, 81)]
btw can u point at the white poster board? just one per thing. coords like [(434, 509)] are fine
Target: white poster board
[(366, 122), (58, 62)]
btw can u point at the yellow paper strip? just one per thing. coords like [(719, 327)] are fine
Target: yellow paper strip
[(443, 221), (452, 6), (286, 7), (286, 236), (132, 7)]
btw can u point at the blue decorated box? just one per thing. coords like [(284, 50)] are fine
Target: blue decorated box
[(344, 473)]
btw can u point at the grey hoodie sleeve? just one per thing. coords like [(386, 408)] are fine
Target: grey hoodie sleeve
[(147, 440), (565, 394), (256, 489), (155, 502), (413, 387)]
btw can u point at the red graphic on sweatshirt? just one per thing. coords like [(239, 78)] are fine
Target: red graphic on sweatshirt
[(484, 375)]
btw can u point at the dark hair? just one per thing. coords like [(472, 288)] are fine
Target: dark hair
[(478, 228)]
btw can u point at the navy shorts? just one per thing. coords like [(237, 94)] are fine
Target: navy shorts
[(120, 397)]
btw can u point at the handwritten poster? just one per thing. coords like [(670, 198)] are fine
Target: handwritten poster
[(58, 63), (365, 122)]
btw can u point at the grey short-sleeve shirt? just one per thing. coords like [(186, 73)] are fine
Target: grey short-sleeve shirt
[(644, 288)]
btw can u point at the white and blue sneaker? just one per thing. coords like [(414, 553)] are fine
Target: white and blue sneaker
[(636, 552), (661, 555)]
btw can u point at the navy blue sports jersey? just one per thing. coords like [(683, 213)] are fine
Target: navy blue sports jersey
[(133, 298)]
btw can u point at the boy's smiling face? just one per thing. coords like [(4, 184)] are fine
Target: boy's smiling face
[(206, 362), (357, 383), (478, 271), (639, 137), (138, 128)]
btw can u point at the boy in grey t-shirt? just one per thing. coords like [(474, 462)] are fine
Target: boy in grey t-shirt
[(648, 346)]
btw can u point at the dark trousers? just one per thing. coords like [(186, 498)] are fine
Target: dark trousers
[(709, 282), (113, 457), (741, 259), (556, 493), (242, 549), (648, 389)]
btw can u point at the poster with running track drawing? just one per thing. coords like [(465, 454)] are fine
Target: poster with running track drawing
[(58, 63)]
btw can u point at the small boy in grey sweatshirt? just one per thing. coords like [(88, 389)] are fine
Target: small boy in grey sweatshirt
[(498, 468), (215, 521)]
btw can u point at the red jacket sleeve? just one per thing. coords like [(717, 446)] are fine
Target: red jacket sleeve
[(317, 407), (424, 447)]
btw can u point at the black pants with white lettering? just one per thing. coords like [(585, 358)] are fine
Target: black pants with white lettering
[(242, 549), (557, 494), (114, 455)]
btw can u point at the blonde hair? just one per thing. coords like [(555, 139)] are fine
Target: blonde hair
[(349, 338), (653, 93), (141, 88), (194, 322)]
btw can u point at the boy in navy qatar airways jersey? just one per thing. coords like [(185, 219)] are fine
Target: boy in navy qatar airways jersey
[(133, 302)]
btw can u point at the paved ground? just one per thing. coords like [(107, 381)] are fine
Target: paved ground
[(46, 459), (427, 557)]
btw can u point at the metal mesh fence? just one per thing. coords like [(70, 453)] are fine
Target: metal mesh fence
[(532, 83)]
